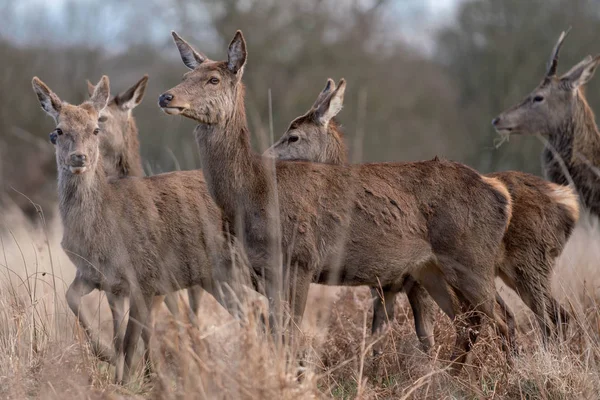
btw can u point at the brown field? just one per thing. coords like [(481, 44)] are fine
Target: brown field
[(43, 354)]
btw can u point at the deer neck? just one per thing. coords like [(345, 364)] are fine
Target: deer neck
[(131, 162), (230, 167), (81, 197), (578, 140), (336, 151)]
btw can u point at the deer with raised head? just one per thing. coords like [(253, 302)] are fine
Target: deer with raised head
[(120, 148), (558, 111), (370, 224), (543, 218), (134, 238)]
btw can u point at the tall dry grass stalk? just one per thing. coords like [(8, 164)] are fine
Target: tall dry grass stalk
[(44, 355)]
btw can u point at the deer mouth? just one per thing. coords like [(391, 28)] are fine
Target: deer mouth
[(173, 110), (505, 130), (77, 170)]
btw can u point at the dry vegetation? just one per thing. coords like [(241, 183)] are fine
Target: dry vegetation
[(43, 354)]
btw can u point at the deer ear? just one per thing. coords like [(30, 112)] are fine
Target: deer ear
[(99, 98), (48, 100), (329, 87), (332, 105), (90, 87), (131, 98), (581, 73), (190, 57), (237, 53)]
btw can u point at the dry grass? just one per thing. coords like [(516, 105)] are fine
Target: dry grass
[(43, 354)]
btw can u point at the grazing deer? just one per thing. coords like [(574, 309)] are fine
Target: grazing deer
[(543, 218), (120, 148), (133, 238), (557, 110), (370, 224)]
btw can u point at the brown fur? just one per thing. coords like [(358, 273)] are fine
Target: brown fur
[(438, 221), (557, 110), (120, 147), (131, 237), (120, 143), (544, 215)]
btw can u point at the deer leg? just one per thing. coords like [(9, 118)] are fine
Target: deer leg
[(467, 328), (477, 291), (424, 310), (298, 294), (534, 292), (172, 304), (383, 311), (194, 297), (139, 311), (117, 306), (147, 330), (509, 317), (75, 292)]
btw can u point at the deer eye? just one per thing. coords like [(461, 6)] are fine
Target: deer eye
[(102, 118), (538, 99), (58, 131), (293, 138), (213, 80), (96, 131), (53, 137)]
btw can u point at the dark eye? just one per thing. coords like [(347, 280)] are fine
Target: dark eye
[(538, 99), (96, 131), (102, 118), (58, 131), (293, 139), (53, 137), (213, 80)]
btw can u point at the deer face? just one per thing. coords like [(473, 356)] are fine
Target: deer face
[(208, 91), (309, 137), (76, 134), (542, 111), (114, 122), (549, 106)]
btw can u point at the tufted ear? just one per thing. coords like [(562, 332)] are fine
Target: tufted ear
[(190, 57), (133, 96), (237, 53), (331, 105), (99, 98), (49, 101), (329, 87), (90, 87), (581, 73)]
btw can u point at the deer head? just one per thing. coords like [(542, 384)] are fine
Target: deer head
[(546, 109), (314, 136), (115, 122), (209, 91), (76, 134)]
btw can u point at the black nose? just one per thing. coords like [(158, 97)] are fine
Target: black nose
[(495, 121), (78, 160), (165, 99)]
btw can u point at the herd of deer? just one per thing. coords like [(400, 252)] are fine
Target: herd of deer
[(301, 214)]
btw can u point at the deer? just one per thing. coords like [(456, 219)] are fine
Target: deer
[(437, 221), (120, 147), (135, 237), (543, 217), (557, 110)]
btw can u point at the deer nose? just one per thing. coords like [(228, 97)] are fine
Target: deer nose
[(78, 160), (165, 99), (495, 121)]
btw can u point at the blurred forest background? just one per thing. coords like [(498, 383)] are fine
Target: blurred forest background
[(433, 72)]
